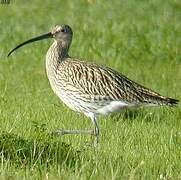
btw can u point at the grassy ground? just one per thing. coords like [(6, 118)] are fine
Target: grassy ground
[(138, 38)]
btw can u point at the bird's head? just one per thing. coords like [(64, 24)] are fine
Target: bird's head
[(60, 33)]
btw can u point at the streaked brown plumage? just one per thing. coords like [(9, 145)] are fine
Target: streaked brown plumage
[(90, 88), (102, 83)]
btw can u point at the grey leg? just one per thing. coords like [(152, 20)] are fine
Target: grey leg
[(96, 129), (63, 132)]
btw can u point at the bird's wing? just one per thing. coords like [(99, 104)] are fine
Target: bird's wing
[(103, 83)]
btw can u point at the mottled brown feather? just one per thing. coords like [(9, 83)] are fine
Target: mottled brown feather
[(105, 83)]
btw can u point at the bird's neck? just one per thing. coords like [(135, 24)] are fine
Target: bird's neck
[(58, 51), (56, 54)]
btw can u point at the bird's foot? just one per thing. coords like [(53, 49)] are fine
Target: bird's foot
[(95, 132), (61, 132)]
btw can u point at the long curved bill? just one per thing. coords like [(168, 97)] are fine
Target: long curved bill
[(38, 38)]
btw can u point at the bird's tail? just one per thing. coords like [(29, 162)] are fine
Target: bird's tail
[(161, 100), (170, 102), (151, 97)]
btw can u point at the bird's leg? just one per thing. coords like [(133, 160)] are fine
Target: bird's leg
[(96, 129), (63, 132), (94, 132)]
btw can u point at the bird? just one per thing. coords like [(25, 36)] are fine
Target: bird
[(90, 88)]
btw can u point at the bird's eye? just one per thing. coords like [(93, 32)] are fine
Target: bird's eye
[(63, 30)]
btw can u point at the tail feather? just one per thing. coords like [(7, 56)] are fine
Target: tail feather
[(154, 98), (171, 102), (161, 100), (151, 97)]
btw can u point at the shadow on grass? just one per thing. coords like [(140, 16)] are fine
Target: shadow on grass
[(125, 115), (142, 114), (42, 150)]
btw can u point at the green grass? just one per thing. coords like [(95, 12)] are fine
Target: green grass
[(142, 40)]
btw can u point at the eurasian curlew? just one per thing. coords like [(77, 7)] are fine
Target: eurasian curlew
[(90, 88)]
